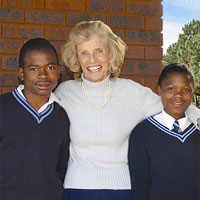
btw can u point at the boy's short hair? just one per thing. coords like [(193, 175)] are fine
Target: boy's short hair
[(35, 44), (176, 68)]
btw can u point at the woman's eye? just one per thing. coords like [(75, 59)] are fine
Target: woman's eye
[(100, 51), (83, 53)]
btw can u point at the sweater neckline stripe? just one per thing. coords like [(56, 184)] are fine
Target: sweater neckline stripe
[(38, 116), (22, 100), (182, 138)]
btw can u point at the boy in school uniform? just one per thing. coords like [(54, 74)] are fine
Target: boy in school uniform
[(34, 129), (164, 150)]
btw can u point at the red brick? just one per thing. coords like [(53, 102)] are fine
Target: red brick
[(78, 5), (7, 89), (130, 67), (33, 3), (85, 17), (138, 23), (116, 21), (67, 75), (11, 15), (12, 3), (10, 62), (144, 8), (155, 38), (42, 17), (151, 82), (100, 17), (24, 3), (141, 67), (114, 6), (75, 17), (22, 31), (120, 34), (131, 37), (144, 37), (138, 79), (57, 45), (56, 33), (126, 22), (153, 53), (136, 52), (150, 67), (0, 63), (10, 46), (154, 23), (9, 79)]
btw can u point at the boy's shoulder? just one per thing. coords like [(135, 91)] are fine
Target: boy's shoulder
[(5, 98), (145, 123), (5, 95), (62, 113), (144, 129)]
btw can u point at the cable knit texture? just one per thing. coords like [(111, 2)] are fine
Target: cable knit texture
[(99, 139)]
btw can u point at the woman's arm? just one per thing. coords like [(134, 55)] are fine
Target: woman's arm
[(194, 114)]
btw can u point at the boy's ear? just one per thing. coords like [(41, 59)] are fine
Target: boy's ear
[(21, 74), (158, 89)]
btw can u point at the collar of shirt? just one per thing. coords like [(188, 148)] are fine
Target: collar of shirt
[(168, 120), (52, 98)]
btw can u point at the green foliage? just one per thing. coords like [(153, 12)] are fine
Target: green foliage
[(187, 50)]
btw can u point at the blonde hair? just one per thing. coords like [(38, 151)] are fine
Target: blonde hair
[(83, 31)]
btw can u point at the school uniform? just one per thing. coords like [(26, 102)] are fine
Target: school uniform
[(165, 164), (34, 148)]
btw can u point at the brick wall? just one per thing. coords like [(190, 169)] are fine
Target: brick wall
[(138, 22)]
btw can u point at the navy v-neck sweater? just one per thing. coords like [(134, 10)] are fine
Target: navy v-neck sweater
[(34, 150), (164, 165)]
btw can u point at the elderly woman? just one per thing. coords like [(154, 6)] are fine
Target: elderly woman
[(103, 109)]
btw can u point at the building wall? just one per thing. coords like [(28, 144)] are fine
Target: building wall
[(137, 22)]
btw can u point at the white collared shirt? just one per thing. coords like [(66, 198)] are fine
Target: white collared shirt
[(52, 98), (167, 120)]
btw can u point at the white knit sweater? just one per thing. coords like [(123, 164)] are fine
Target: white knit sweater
[(99, 139)]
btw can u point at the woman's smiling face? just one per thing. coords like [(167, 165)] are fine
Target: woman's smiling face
[(93, 56)]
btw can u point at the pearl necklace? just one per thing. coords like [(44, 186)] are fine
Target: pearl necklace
[(91, 103)]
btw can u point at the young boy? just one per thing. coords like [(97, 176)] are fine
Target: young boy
[(164, 157), (34, 135)]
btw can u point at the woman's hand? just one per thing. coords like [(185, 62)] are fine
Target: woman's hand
[(198, 123)]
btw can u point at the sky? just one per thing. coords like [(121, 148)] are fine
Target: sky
[(177, 13)]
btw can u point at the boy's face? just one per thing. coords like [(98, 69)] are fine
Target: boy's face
[(40, 73), (176, 94)]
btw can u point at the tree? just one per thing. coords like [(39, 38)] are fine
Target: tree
[(187, 50)]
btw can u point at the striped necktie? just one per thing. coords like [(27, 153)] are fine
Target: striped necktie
[(176, 128)]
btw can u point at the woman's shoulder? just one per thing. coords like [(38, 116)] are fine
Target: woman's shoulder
[(128, 83), (68, 84)]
